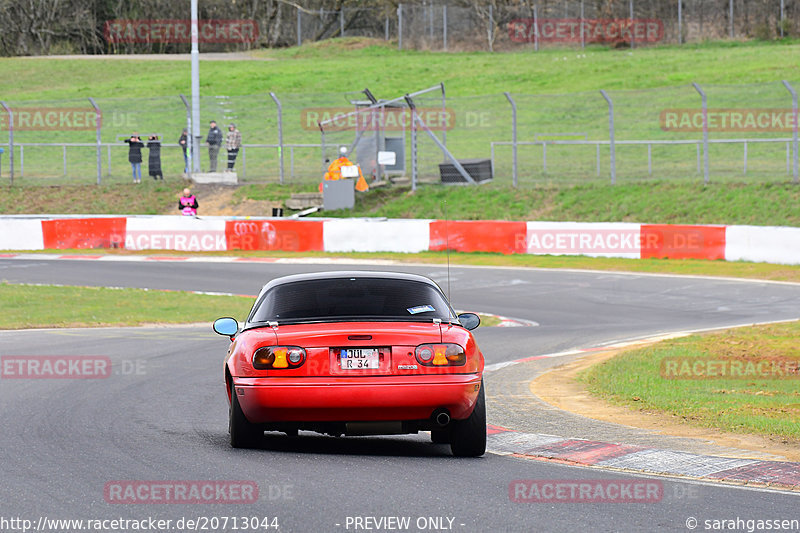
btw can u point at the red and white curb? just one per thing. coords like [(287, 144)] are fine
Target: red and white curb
[(206, 234), (777, 474), (504, 441)]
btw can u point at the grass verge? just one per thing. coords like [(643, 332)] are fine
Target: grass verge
[(37, 306), (761, 400), (358, 63), (147, 198), (42, 306), (662, 202)]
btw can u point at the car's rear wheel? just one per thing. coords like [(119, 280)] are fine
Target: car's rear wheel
[(244, 434), (468, 436), (440, 436)]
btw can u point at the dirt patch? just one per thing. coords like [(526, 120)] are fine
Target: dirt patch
[(218, 200), (347, 43), (559, 388)]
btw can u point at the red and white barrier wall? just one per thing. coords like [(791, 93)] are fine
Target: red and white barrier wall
[(731, 243)]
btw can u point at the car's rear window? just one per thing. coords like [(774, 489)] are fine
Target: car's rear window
[(349, 298)]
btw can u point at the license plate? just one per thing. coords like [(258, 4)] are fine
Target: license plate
[(356, 358)]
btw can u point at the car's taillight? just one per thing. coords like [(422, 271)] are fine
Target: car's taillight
[(441, 355), (269, 357)]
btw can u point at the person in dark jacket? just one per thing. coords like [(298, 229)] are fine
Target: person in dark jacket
[(214, 141), (135, 145), (154, 158), (188, 203), (184, 142)]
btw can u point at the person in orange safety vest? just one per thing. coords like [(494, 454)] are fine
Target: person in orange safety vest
[(335, 171)]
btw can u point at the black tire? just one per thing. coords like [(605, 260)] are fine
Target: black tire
[(468, 436), (440, 436), (243, 433)]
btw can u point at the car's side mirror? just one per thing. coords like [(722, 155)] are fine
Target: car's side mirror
[(469, 320), (226, 326)]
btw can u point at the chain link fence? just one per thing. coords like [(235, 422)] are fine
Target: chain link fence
[(750, 133), (495, 26)]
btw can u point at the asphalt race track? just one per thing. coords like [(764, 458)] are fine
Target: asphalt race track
[(162, 414)]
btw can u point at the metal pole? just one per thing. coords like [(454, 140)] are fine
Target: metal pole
[(444, 115), (430, 23), (597, 149), (400, 27), (280, 130), (730, 17), (386, 28), (745, 157), (611, 136), (544, 157), (98, 125), (630, 24), (341, 22), (513, 137), (195, 133), (794, 126), (299, 28), (583, 39), (680, 21), (782, 8), (705, 131), (444, 27), (491, 28), (189, 150), (413, 149), (535, 29), (436, 141), (10, 140)]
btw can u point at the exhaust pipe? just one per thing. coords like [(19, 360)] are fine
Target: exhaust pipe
[(441, 417)]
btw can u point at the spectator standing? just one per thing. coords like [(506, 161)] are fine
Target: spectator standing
[(188, 204), (214, 141), (233, 143), (135, 145), (184, 141), (154, 157)]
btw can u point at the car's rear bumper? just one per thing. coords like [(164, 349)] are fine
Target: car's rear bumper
[(389, 398)]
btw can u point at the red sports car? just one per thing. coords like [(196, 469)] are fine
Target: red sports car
[(355, 353)]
